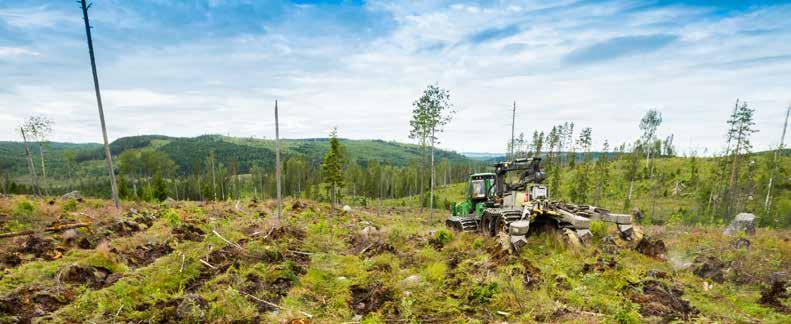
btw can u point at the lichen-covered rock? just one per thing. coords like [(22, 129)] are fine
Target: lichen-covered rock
[(743, 222), (76, 195)]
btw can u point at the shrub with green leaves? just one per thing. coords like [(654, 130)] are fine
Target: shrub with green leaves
[(598, 229), (24, 209), (481, 294), (443, 237), (70, 205), (172, 217)]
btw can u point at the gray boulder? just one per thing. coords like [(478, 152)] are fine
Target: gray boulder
[(743, 222), (72, 195)]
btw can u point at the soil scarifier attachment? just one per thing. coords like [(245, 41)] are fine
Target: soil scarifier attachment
[(512, 204)]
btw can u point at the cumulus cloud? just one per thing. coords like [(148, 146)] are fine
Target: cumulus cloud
[(187, 69)]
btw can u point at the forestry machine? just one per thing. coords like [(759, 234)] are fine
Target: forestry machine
[(511, 203)]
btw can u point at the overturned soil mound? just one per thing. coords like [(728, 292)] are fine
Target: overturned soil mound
[(369, 299), (93, 277), (659, 299), (653, 248), (26, 303), (146, 254), (602, 264), (774, 295), (368, 247), (38, 246), (275, 289), (189, 232), (710, 268)]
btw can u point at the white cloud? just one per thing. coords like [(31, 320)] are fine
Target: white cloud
[(366, 85), (34, 17), (16, 52)]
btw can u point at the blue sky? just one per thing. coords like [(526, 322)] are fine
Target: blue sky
[(186, 68)]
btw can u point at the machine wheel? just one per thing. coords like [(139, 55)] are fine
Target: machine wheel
[(488, 224), (571, 238)]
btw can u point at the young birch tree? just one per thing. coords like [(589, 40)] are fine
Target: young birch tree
[(431, 112), (30, 166), (39, 127)]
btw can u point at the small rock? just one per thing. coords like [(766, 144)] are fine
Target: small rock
[(347, 208), (341, 278), (707, 286), (741, 243), (368, 231), (69, 234), (743, 222), (72, 195), (410, 281), (192, 307)]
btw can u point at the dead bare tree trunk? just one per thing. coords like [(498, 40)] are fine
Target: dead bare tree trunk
[(30, 165), (431, 194), (43, 169), (422, 174), (108, 156), (277, 168), (213, 179), (778, 152)]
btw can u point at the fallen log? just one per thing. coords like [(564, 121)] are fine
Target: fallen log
[(55, 228)]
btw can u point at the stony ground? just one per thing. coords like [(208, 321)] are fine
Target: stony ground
[(219, 262)]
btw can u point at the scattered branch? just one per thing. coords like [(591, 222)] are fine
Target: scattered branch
[(226, 240), (299, 252), (207, 264), (55, 228), (270, 303)]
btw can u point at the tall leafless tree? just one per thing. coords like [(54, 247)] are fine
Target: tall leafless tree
[(30, 166), (108, 156)]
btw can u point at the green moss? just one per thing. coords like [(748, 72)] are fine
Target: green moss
[(599, 229), (70, 205), (24, 210)]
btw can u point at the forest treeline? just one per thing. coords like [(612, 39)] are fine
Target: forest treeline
[(209, 167), (645, 173)]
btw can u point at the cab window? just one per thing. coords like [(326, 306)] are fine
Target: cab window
[(478, 189)]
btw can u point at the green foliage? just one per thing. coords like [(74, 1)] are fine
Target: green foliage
[(123, 188), (24, 210), (160, 190), (332, 166), (598, 229), (70, 205), (436, 272), (483, 293), (443, 237), (172, 217), (627, 317)]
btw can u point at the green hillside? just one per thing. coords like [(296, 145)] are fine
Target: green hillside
[(185, 151), (230, 166)]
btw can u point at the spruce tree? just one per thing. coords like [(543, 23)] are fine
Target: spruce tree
[(332, 167)]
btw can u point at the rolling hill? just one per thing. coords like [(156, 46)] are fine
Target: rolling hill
[(187, 151)]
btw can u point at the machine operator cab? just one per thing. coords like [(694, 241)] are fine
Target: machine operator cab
[(480, 186), (479, 191)]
